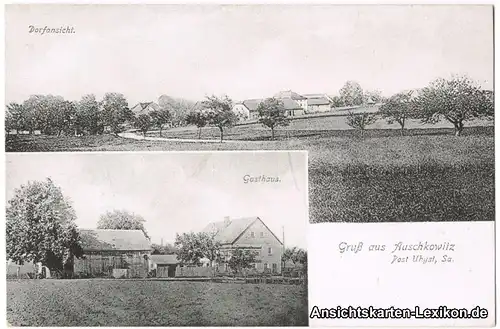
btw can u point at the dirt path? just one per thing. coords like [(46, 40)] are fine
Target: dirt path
[(130, 135)]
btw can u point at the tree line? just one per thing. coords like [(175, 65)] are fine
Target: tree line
[(53, 115), (455, 100)]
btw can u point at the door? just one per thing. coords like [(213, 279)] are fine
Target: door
[(171, 271)]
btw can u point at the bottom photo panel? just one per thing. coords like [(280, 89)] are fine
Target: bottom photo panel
[(157, 239)]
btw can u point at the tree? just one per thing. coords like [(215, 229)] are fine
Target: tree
[(198, 118), (160, 118), (143, 122), (272, 113), (63, 116), (167, 249), (360, 121), (88, 115), (45, 112), (399, 108), (29, 109), (295, 255), (336, 102), (351, 94), (9, 123), (115, 111), (194, 246), (40, 226), (178, 108), (241, 259), (122, 220), (457, 100), (220, 113)]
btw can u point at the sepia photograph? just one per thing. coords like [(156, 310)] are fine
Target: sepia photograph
[(393, 103), (157, 239)]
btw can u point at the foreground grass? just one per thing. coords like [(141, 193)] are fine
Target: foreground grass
[(429, 175), (153, 303)]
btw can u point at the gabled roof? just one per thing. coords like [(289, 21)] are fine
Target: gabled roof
[(227, 232), (252, 104), (164, 259), (144, 108), (290, 104), (113, 240), (289, 94)]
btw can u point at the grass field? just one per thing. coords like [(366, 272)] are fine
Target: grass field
[(153, 303), (428, 175)]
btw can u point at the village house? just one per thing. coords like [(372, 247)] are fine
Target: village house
[(294, 103), (113, 253), (297, 99), (249, 233), (318, 103), (145, 108), (248, 109)]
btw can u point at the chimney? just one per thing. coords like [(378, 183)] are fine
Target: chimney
[(227, 220)]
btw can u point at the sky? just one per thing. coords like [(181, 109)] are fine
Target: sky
[(175, 192), (189, 51)]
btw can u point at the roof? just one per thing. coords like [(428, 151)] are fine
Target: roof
[(252, 104), (111, 240), (145, 107), (228, 231), (164, 259), (289, 94), (318, 101), (290, 104)]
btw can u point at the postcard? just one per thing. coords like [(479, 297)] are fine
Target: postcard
[(393, 104)]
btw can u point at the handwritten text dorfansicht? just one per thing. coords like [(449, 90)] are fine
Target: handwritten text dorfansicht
[(44, 30), (248, 179)]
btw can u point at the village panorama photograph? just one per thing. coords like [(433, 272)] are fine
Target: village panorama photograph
[(157, 239), (393, 103)]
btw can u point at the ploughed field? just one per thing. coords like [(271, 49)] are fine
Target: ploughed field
[(97, 302), (426, 175)]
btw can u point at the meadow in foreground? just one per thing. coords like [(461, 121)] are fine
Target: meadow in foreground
[(103, 302)]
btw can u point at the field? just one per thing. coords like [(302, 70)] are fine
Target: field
[(153, 303), (427, 175)]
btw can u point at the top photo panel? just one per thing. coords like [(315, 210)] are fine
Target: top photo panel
[(393, 103)]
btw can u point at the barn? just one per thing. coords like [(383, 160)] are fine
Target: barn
[(110, 253), (165, 265)]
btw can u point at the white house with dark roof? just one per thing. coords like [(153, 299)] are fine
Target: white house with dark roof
[(249, 233), (318, 103)]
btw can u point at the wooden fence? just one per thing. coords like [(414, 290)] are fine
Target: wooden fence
[(194, 271)]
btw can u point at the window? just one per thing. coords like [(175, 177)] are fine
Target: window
[(252, 234), (265, 266), (275, 268), (255, 265), (270, 251), (261, 234)]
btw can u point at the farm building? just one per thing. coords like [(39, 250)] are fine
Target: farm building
[(108, 252), (164, 265), (318, 103), (248, 233)]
